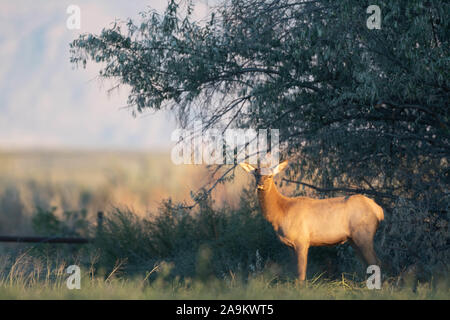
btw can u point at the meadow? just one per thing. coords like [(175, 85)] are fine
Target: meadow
[(258, 287), (152, 247)]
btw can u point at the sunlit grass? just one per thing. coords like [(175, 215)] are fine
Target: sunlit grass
[(29, 278)]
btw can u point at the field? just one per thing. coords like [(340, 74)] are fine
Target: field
[(152, 248), (95, 181), (259, 288)]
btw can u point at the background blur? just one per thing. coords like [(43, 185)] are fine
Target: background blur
[(65, 141)]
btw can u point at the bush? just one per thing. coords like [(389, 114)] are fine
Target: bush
[(220, 242), (205, 242), (416, 236), (71, 224), (240, 240)]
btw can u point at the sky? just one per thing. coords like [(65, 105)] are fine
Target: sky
[(46, 103)]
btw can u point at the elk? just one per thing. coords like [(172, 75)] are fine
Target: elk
[(303, 222)]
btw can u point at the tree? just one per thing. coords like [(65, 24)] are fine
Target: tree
[(361, 110)]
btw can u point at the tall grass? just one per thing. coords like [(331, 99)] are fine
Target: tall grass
[(31, 278)]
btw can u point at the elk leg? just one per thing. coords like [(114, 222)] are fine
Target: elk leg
[(357, 251), (365, 249), (369, 254), (302, 260)]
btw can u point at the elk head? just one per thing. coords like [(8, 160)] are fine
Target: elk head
[(264, 175)]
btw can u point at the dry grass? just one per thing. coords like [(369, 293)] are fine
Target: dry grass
[(30, 279)]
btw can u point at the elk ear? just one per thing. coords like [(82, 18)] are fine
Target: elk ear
[(247, 167), (280, 167)]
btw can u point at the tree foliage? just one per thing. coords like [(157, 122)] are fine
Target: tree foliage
[(359, 110)]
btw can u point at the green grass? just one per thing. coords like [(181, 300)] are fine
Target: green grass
[(256, 288), (28, 277)]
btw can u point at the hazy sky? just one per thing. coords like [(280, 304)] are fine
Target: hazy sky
[(45, 102)]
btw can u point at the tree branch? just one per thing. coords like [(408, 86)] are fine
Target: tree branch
[(371, 192)]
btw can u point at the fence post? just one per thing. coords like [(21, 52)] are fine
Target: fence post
[(99, 222)]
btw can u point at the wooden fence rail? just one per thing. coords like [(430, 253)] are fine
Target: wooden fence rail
[(44, 239), (27, 239)]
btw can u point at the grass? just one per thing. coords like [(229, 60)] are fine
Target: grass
[(28, 277), (260, 286)]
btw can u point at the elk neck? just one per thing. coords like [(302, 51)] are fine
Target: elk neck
[(272, 203)]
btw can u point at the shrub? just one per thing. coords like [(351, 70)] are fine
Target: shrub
[(71, 224), (416, 236), (205, 242), (237, 241)]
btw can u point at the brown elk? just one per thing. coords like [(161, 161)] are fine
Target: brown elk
[(303, 222)]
